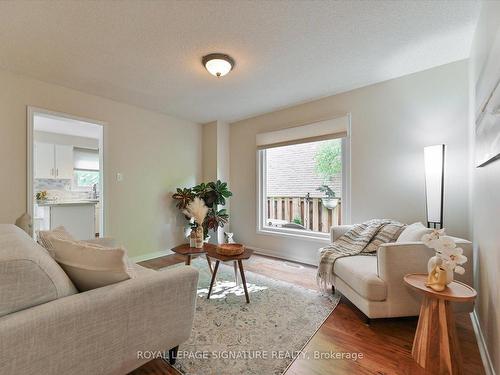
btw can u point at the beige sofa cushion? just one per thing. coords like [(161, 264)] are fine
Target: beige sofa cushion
[(360, 273), (45, 238), (413, 233), (92, 266), (28, 275)]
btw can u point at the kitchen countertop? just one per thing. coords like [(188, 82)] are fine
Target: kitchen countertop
[(79, 202)]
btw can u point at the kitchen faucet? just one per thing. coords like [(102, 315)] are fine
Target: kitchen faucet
[(94, 192)]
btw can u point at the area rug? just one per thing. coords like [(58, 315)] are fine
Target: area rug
[(263, 337)]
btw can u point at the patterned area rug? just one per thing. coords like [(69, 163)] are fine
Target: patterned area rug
[(262, 338)]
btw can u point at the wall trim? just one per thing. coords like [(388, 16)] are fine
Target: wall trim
[(31, 111), (481, 343), (276, 254), (148, 256)]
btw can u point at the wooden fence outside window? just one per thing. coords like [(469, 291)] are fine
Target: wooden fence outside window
[(310, 211)]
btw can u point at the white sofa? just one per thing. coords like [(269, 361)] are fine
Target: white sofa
[(47, 327), (375, 283)]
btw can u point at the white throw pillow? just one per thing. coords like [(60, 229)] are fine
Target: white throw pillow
[(90, 266), (45, 237), (413, 233)]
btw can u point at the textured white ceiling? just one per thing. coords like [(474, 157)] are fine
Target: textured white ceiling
[(148, 52)]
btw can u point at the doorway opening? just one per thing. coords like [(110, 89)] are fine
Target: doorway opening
[(65, 173)]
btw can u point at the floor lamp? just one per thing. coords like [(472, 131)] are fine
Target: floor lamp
[(434, 184)]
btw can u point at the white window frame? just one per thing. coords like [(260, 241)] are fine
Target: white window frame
[(299, 233)]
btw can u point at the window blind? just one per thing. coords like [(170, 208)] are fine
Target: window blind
[(318, 131), (86, 159)]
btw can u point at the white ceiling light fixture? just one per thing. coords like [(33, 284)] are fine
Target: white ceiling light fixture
[(218, 64)]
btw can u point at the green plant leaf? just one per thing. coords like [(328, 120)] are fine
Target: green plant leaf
[(183, 197), (201, 189), (221, 191), (328, 159), (327, 190)]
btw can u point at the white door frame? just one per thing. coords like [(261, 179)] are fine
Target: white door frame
[(31, 112)]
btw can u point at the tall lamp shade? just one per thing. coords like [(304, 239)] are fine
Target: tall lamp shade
[(434, 184)]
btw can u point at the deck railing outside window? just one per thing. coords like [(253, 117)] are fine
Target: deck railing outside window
[(302, 213)]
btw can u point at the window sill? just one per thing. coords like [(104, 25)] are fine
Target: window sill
[(295, 233)]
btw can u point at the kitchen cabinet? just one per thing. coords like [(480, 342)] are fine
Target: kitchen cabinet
[(64, 161), (44, 160), (77, 217), (53, 161)]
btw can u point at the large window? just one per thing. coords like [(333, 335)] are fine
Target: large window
[(301, 187)]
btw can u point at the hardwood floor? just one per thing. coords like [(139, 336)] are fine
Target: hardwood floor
[(385, 343)]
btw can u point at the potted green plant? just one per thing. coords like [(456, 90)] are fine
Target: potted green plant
[(213, 194), (329, 200), (328, 161)]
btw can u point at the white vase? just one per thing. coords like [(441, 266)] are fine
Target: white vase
[(330, 203), (437, 261)]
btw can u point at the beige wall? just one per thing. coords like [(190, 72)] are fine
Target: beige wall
[(391, 123), (209, 156), (485, 202), (215, 151), (223, 157), (216, 161), (155, 153)]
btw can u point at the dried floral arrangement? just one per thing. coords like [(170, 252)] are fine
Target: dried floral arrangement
[(211, 194)]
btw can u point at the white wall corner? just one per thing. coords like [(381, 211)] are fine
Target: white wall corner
[(481, 343), (216, 161)]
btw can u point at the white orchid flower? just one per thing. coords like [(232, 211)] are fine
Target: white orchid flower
[(429, 240), (445, 243), (432, 239), (454, 257), (446, 249), (436, 233)]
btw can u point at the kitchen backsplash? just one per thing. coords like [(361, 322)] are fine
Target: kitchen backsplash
[(58, 189), (51, 184)]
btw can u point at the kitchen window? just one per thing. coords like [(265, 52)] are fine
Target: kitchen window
[(85, 179), (86, 168)]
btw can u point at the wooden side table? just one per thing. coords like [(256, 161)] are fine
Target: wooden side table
[(435, 346), (189, 251), (224, 258)]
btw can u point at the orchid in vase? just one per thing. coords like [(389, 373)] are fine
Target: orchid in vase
[(448, 259)]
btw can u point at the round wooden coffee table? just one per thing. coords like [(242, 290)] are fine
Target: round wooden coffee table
[(212, 253), (435, 346)]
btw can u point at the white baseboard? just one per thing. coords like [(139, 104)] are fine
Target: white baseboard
[(148, 256), (279, 255), (481, 343), (257, 250)]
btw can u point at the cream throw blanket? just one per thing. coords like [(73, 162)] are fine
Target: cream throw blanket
[(362, 239)]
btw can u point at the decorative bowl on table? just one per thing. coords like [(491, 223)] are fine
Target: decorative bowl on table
[(230, 249)]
